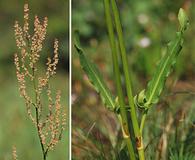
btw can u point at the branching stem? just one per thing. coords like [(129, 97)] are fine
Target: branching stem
[(37, 116)]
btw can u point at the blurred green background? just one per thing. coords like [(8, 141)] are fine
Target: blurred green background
[(15, 126), (148, 26)]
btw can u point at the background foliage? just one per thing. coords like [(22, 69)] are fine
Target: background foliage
[(15, 126), (148, 26)]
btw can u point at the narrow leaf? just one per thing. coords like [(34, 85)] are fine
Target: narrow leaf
[(95, 76), (156, 84), (183, 19)]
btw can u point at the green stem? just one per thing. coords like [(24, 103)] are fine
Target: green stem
[(123, 115), (37, 115), (139, 141), (143, 121)]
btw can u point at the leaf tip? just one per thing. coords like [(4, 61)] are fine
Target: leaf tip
[(183, 19), (77, 43)]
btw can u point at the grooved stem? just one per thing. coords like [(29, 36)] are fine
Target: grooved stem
[(139, 141), (122, 115)]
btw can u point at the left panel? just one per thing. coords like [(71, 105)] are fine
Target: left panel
[(34, 78)]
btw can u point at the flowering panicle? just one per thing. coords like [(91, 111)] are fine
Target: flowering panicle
[(37, 39), (51, 66), (50, 126), (20, 42), (26, 24)]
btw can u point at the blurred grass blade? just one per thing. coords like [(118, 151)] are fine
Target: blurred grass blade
[(156, 85), (94, 76)]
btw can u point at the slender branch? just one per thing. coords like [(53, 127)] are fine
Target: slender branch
[(38, 128), (37, 116), (143, 120), (123, 114), (139, 141)]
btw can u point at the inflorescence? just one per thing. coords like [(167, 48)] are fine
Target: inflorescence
[(51, 125)]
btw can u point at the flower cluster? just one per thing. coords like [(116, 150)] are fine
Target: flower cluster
[(51, 125)]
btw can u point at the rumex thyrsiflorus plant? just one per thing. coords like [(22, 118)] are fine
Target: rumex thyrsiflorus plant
[(138, 105), (48, 117)]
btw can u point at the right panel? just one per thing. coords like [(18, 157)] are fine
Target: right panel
[(132, 90)]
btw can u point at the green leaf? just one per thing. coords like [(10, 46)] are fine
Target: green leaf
[(183, 19), (95, 76), (156, 84)]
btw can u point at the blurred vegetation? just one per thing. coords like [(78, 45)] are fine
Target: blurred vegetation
[(148, 26), (15, 126)]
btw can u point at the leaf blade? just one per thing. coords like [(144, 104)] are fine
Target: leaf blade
[(156, 84), (94, 76)]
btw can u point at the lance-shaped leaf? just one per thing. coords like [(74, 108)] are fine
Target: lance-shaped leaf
[(156, 85), (95, 76)]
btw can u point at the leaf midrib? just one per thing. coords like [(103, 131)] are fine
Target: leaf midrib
[(161, 72), (99, 81)]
